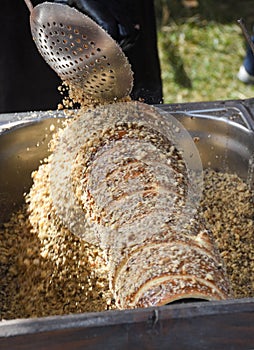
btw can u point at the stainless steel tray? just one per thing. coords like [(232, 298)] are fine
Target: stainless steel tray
[(224, 134)]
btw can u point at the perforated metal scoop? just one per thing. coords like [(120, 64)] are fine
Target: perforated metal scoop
[(80, 51)]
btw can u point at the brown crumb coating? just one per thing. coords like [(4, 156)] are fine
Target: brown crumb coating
[(44, 272)]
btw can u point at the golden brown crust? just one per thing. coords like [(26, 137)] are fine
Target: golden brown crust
[(181, 258)]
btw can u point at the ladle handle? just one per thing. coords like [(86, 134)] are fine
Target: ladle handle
[(29, 5)]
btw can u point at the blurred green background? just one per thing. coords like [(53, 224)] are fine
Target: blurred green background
[(201, 48)]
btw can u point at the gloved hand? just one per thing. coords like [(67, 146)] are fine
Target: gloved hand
[(112, 15)]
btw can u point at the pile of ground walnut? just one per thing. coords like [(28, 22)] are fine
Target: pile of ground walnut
[(46, 270)]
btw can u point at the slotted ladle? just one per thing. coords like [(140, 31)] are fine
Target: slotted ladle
[(80, 51)]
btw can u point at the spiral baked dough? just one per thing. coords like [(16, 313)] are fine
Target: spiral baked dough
[(134, 174)]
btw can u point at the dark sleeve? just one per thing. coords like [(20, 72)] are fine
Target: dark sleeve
[(27, 83), (144, 55)]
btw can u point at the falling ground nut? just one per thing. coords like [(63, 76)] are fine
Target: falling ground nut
[(134, 175)]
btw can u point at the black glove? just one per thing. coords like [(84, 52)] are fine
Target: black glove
[(113, 16)]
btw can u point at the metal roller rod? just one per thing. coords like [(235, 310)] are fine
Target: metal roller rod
[(246, 34)]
